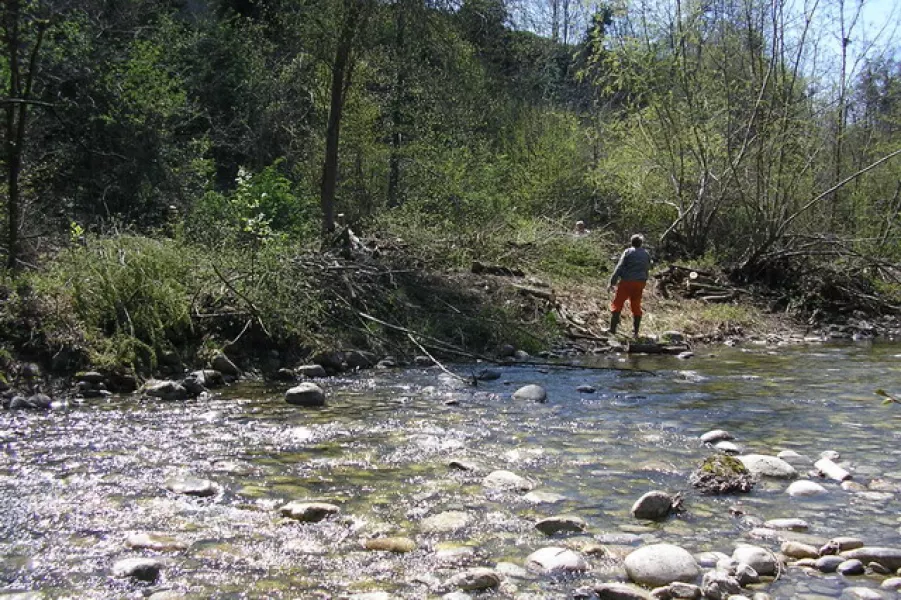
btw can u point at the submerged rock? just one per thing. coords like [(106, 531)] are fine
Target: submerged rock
[(661, 564), (390, 544), (507, 480), (539, 497), (561, 524), (451, 520), (157, 542), (790, 524)]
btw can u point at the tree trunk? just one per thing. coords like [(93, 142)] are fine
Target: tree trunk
[(342, 70), (397, 101), (14, 112)]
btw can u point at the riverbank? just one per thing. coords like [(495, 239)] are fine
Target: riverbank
[(132, 308)]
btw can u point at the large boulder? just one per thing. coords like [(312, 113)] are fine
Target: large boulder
[(661, 564), (763, 465), (721, 474), (164, 390), (653, 506), (531, 393), (305, 394), (890, 558), (220, 362)]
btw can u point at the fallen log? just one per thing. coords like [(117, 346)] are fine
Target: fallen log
[(655, 348)]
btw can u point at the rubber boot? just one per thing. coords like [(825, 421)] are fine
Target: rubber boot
[(614, 322), (636, 324)]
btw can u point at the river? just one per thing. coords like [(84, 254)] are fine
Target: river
[(74, 483)]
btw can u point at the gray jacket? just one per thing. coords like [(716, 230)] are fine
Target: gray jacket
[(633, 265)]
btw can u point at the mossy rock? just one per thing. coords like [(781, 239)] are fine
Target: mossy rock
[(721, 474)]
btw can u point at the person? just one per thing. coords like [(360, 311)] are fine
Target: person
[(580, 229), (630, 277)]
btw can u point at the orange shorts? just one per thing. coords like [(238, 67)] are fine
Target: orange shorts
[(631, 291)]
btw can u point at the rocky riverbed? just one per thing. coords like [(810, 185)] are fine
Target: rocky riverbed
[(537, 483)]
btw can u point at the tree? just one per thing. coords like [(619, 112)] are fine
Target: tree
[(23, 33), (353, 20)]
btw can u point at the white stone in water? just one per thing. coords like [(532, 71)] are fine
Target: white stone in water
[(790, 456), (805, 488), (661, 564), (539, 497), (191, 486), (556, 560), (793, 524), (310, 512), (145, 569), (506, 480), (727, 447), (760, 559), (154, 541), (830, 455), (831, 470), (531, 393), (768, 466), (716, 435)]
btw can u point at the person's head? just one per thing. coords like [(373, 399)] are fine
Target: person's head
[(637, 240), (580, 225)]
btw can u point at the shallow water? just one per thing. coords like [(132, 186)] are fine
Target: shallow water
[(74, 483)]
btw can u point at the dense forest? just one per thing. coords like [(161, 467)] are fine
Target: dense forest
[(169, 164)]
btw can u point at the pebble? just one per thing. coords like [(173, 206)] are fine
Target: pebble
[(861, 593), (892, 583), (653, 506), (727, 447), (620, 591), (191, 486), (799, 550), (544, 498), (390, 544)]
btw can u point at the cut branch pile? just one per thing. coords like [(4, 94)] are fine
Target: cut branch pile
[(686, 282)]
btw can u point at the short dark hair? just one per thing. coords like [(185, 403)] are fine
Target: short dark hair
[(637, 240)]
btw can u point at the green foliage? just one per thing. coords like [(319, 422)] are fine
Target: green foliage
[(262, 207), (131, 294)]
